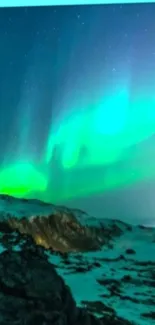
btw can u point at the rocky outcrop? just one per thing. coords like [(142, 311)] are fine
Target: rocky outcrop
[(60, 229), (52, 257), (31, 291)]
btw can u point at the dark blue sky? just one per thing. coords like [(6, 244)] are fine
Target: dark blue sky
[(52, 57), (55, 53)]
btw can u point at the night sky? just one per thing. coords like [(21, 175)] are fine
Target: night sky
[(77, 107)]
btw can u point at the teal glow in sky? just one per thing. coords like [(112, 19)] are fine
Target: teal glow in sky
[(77, 103)]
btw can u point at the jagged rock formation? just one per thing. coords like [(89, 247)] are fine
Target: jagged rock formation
[(63, 232), (61, 228), (31, 291), (107, 264), (59, 232)]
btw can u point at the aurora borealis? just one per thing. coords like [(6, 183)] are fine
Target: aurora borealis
[(77, 101)]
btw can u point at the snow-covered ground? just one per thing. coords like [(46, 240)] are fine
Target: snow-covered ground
[(120, 277)]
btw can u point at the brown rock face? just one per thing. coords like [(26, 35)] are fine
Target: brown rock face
[(31, 291), (60, 232), (58, 228)]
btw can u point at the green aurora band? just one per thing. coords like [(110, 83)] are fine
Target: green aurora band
[(102, 146)]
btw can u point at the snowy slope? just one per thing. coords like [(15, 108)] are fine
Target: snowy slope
[(122, 277), (119, 278)]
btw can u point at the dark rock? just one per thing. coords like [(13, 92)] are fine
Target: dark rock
[(130, 251), (31, 291), (150, 315), (37, 240), (127, 278), (61, 228)]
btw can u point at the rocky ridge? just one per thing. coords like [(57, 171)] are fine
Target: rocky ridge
[(106, 267), (32, 292)]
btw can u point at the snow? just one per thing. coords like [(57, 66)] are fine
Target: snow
[(120, 280), (138, 295)]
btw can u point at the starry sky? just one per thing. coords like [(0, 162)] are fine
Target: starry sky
[(77, 107)]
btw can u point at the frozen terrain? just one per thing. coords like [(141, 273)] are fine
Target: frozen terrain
[(117, 279)]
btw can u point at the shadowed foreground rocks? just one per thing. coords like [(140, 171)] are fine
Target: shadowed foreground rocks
[(31, 291)]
